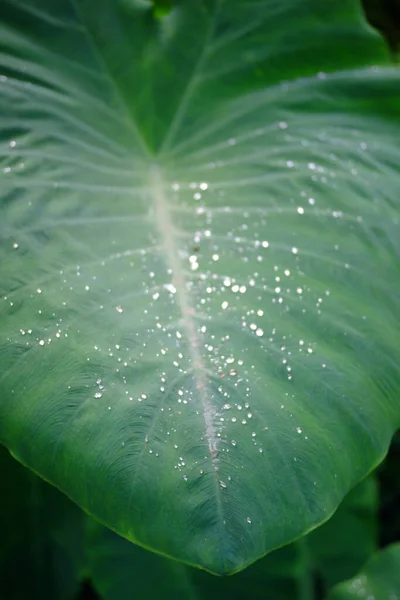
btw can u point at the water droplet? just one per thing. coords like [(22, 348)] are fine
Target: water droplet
[(170, 288), (248, 520)]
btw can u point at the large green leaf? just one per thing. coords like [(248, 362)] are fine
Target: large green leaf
[(378, 580), (199, 264)]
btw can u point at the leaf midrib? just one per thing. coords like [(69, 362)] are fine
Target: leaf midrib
[(164, 225), (165, 228)]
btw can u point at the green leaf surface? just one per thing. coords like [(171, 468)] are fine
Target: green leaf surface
[(199, 264), (379, 580), (41, 539)]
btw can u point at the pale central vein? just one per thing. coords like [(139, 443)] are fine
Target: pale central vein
[(166, 229)]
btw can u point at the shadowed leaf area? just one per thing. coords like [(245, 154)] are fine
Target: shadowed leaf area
[(385, 16)]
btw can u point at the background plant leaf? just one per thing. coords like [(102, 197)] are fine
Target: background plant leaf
[(199, 264), (379, 579), (339, 548)]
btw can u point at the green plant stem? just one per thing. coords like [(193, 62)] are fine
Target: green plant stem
[(183, 579), (306, 586), (35, 534)]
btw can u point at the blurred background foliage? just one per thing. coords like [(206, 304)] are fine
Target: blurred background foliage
[(385, 16)]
